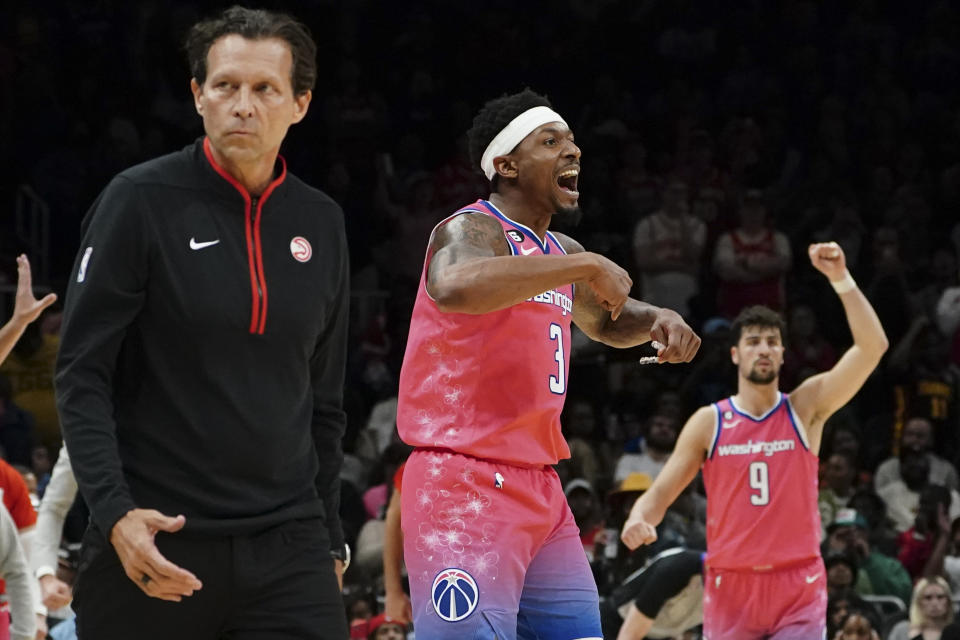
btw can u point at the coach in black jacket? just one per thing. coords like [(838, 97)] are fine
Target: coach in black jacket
[(202, 362)]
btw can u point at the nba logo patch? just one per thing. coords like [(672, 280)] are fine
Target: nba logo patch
[(454, 594)]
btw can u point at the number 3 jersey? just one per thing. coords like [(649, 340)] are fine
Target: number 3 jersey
[(490, 385), (761, 482)]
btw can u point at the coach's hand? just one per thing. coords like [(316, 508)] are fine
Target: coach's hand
[(679, 341), (133, 538), (637, 531)]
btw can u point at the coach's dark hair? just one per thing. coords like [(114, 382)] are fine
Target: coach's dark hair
[(255, 24), (494, 116), (757, 316)]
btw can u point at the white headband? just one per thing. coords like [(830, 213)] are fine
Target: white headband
[(514, 133)]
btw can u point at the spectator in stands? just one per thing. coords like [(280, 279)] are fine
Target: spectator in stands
[(941, 275), (846, 228), (880, 532), (30, 369), (948, 320), (931, 528), (359, 613), (16, 499), (15, 573), (927, 383), (660, 436), (859, 625), (837, 485), (751, 260), (707, 181), (667, 248), (51, 516), (951, 563), (17, 433), (840, 436), (579, 422), (621, 563), (709, 378), (931, 610), (840, 605), (588, 514), (918, 436), (886, 284), (638, 191), (902, 497), (842, 570), (807, 351), (383, 627), (42, 467), (878, 574)]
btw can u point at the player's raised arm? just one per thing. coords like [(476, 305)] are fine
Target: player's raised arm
[(681, 468), (818, 397), (637, 323), (472, 270)]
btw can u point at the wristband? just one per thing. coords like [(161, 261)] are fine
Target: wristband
[(844, 285), (45, 570), (342, 555)]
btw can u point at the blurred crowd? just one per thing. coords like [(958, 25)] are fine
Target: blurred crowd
[(718, 141)]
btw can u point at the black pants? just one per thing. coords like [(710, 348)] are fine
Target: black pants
[(278, 584)]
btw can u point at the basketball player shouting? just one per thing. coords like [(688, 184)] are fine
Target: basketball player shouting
[(764, 577), (490, 545)]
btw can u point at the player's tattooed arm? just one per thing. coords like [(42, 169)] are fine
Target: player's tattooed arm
[(638, 322), (472, 270), (465, 237)]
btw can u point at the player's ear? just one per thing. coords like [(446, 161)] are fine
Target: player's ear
[(734, 355), (505, 166)]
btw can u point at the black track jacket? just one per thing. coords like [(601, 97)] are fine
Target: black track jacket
[(203, 347)]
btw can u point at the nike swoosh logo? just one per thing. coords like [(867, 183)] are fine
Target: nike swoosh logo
[(528, 250), (730, 425), (202, 245), (811, 579)]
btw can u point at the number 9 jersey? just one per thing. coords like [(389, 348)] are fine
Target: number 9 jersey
[(761, 482), (490, 385)]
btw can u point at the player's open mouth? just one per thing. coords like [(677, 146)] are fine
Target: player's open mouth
[(567, 181)]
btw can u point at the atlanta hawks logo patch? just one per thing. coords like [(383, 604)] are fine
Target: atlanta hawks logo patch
[(454, 594), (516, 235), (300, 249)]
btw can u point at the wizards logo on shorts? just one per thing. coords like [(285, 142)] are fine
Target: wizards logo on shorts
[(454, 594)]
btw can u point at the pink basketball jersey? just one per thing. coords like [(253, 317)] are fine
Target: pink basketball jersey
[(490, 385), (761, 482)]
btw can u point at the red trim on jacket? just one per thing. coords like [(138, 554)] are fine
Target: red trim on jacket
[(256, 234), (258, 279)]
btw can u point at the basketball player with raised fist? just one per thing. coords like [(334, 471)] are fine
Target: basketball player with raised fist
[(758, 450)]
